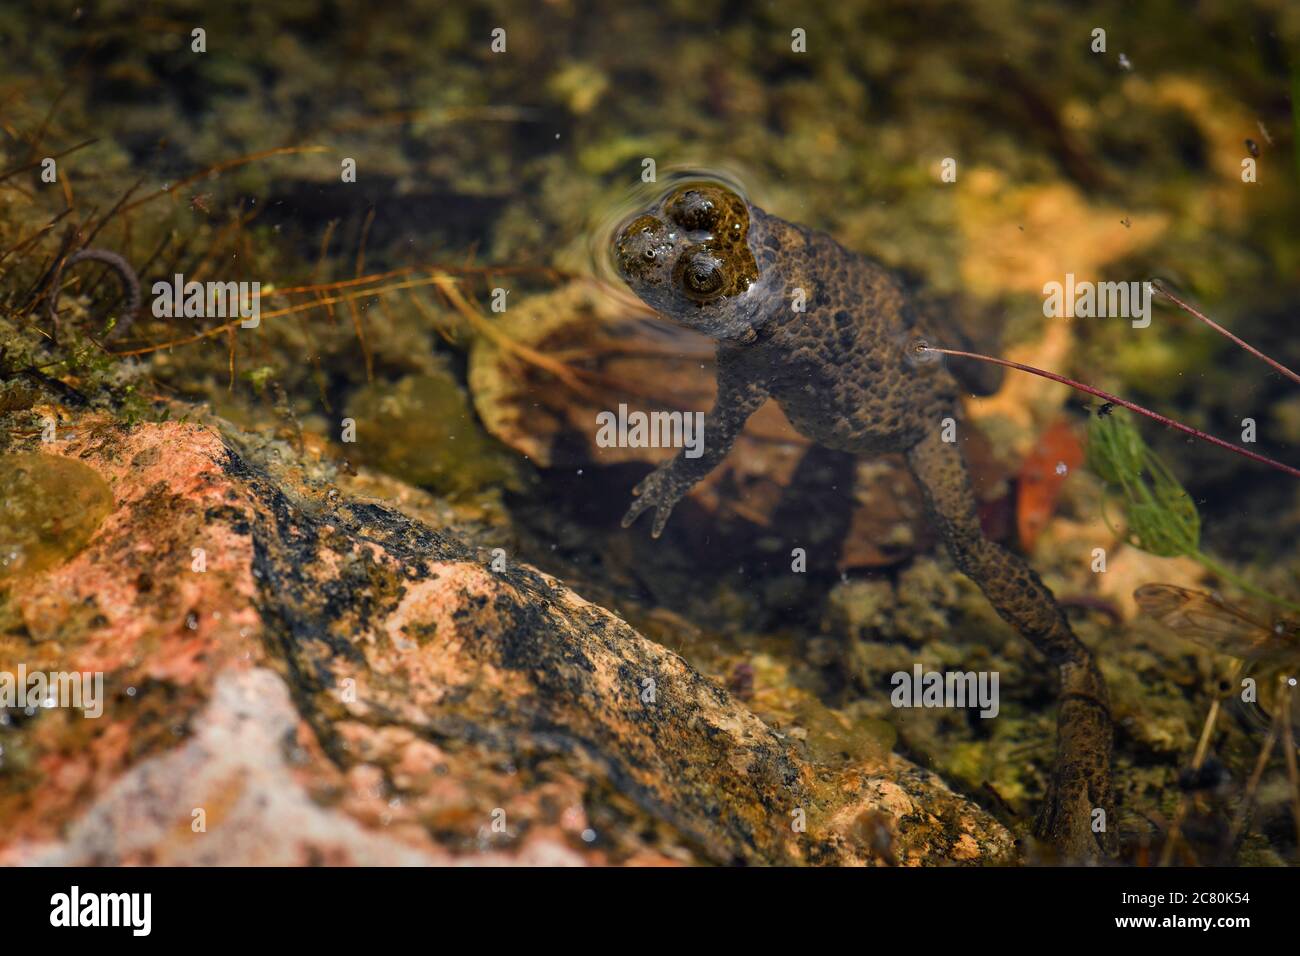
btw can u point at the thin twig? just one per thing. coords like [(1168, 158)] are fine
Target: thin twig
[(34, 237), (1198, 761), (1115, 400), (446, 285), (288, 310), (36, 162), (1288, 750), (358, 323), (1190, 310), (222, 167), (1242, 817)]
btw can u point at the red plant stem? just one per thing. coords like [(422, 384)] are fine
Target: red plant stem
[(1116, 400), (1278, 366)]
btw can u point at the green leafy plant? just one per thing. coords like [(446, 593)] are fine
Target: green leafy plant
[(1160, 517)]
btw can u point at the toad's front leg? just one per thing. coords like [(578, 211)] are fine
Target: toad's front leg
[(737, 399), (1081, 779)]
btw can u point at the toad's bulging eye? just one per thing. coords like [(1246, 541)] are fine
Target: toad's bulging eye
[(700, 275), (695, 209)]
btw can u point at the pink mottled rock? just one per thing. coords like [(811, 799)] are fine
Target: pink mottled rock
[(294, 677)]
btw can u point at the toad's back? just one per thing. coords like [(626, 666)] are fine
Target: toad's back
[(843, 369)]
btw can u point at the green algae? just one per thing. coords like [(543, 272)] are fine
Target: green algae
[(50, 508), (835, 741)]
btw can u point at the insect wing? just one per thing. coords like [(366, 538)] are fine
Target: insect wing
[(1205, 619)]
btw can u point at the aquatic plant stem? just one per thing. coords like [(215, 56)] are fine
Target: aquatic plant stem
[(1217, 568), (1198, 760), (1115, 400), (1244, 811), (1288, 750), (1196, 313)]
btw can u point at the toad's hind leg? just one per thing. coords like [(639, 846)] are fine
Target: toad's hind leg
[(1081, 778)]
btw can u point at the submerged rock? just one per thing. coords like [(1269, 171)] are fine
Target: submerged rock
[(49, 508), (422, 430), (297, 677)]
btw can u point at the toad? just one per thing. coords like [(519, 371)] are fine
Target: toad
[(838, 341)]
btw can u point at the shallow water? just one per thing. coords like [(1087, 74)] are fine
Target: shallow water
[(430, 221)]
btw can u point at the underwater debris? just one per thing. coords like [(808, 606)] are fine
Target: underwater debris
[(1225, 629), (121, 268), (1042, 473)]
